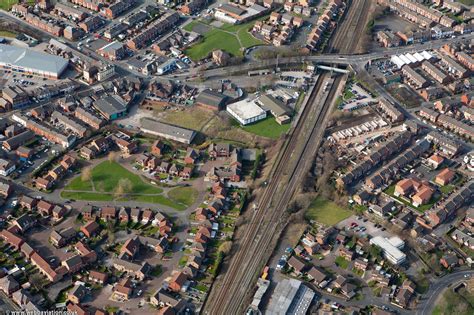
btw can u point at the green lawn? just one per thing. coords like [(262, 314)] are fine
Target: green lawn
[(467, 2), (391, 190), (212, 40), (326, 212), (225, 37), (105, 178), (268, 128), (184, 195), (7, 34), (7, 4), (447, 189), (341, 262)]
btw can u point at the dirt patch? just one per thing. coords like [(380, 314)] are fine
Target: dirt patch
[(405, 95), (201, 29)]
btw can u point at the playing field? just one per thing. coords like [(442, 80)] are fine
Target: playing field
[(230, 38), (326, 212), (7, 4), (105, 179), (267, 128)]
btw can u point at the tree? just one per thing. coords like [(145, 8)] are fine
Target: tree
[(225, 247), (112, 157), (86, 174), (36, 281), (124, 187)]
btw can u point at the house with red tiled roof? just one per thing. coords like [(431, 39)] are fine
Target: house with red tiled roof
[(435, 161), (422, 196), (445, 177), (73, 264), (77, 309), (108, 213), (44, 207), (45, 268), (88, 255), (201, 214), (90, 229), (130, 248), (147, 216), (177, 281), (123, 290), (12, 239), (98, 277)]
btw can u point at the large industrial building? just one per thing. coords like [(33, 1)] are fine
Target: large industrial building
[(291, 296), (28, 61), (172, 132)]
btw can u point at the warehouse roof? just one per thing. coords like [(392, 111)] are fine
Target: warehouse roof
[(110, 105), (167, 130), (275, 106), (27, 58), (211, 98)]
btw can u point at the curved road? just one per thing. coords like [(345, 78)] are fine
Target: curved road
[(427, 305)]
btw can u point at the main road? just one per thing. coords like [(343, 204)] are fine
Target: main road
[(428, 304)]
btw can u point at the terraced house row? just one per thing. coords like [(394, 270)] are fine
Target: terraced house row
[(154, 30)]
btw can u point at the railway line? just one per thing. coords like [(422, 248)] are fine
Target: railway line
[(347, 35), (269, 219), (231, 293)]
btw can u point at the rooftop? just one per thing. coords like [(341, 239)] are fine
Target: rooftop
[(27, 58)]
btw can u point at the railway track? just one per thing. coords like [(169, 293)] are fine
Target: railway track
[(269, 219), (347, 35), (230, 294)]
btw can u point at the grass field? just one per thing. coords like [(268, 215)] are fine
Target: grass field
[(230, 38), (326, 212), (467, 2), (268, 128), (184, 195), (105, 178), (461, 303), (7, 34), (7, 4), (193, 118)]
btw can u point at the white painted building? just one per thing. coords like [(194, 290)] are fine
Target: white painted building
[(246, 111)]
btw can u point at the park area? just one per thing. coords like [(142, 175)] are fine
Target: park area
[(232, 39), (109, 181), (326, 212), (7, 4)]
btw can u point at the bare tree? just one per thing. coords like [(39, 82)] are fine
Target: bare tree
[(86, 174), (225, 247), (124, 187), (113, 156)]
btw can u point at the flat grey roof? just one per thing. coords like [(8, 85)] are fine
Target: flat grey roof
[(30, 59), (232, 9), (112, 104), (173, 131)]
